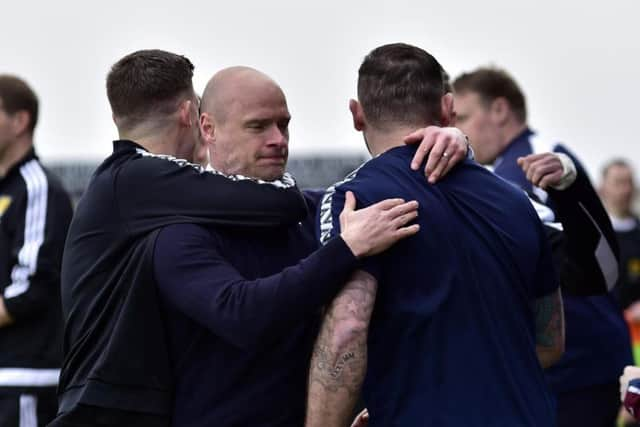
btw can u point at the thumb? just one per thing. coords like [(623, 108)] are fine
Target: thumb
[(349, 202), (414, 137)]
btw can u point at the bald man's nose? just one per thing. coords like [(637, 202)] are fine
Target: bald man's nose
[(277, 136)]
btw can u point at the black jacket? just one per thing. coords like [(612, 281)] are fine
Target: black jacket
[(114, 343), (35, 212)]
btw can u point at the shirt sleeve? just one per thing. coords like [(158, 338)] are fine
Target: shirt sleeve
[(328, 223), (590, 243), (546, 279), (151, 189), (195, 278), (35, 276)]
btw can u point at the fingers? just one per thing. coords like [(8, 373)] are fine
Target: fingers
[(427, 141), (387, 204), (403, 208), (549, 180), (444, 160), (349, 202), (402, 220), (542, 170), (404, 232), (415, 137), (537, 170), (453, 160), (436, 154)]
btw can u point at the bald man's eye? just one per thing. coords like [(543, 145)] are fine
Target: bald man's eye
[(256, 126)]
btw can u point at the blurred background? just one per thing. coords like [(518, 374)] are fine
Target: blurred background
[(577, 63)]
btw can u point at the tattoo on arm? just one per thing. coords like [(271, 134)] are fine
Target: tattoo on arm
[(548, 317), (549, 322), (339, 360)]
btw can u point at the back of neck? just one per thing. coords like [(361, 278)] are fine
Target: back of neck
[(380, 141)]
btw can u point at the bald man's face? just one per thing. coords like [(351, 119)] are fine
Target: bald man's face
[(252, 136)]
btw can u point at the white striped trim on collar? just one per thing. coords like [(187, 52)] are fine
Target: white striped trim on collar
[(34, 228), (287, 180), (326, 217)]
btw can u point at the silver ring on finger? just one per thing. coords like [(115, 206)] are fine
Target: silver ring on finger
[(445, 154)]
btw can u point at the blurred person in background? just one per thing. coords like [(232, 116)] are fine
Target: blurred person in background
[(491, 109), (35, 212), (617, 190)]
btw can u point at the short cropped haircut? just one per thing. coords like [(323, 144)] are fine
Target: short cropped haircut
[(400, 84), (147, 83), (491, 83), (16, 95)]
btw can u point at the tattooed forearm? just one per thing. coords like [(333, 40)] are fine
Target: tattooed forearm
[(339, 358), (549, 320)]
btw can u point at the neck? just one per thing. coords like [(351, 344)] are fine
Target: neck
[(14, 152), (618, 212), (380, 141), (154, 140)]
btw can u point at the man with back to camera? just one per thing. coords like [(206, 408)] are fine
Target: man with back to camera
[(117, 365), (35, 212), (492, 111), (466, 310)]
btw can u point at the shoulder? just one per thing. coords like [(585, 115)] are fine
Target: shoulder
[(141, 164)]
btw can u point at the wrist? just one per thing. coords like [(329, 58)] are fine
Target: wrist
[(357, 248), (569, 172)]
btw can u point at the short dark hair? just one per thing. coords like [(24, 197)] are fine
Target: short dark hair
[(400, 83), (619, 161), (147, 82), (17, 96), (491, 83)]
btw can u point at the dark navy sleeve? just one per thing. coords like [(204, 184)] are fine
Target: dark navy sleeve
[(153, 191), (546, 278), (195, 278)]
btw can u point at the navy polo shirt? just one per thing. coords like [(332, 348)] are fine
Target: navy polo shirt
[(452, 336)]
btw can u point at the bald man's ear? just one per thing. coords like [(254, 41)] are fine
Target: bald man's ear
[(358, 115), (207, 128), (447, 114)]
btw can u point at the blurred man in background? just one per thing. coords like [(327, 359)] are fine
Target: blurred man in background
[(35, 212), (617, 190), (492, 110)]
